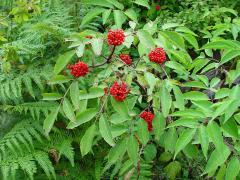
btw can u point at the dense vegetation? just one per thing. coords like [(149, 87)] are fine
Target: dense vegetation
[(119, 89)]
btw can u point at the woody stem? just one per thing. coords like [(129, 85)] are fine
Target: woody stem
[(111, 54)]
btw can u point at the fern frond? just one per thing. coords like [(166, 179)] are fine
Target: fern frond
[(27, 162), (62, 142), (21, 136), (36, 109), (12, 89)]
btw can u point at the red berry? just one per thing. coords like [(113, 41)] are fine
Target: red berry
[(158, 7), (157, 55), (79, 69), (115, 37), (148, 117), (119, 91), (126, 59)]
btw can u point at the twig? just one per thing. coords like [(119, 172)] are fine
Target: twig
[(164, 71), (107, 60), (111, 54), (141, 87)]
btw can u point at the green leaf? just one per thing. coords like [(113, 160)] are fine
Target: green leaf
[(117, 152), (220, 44), (173, 169), (105, 131), (185, 30), (68, 110), (120, 108), (177, 67), (221, 108), (150, 152), (119, 18), (142, 3), (191, 151), (169, 25), (222, 93), (179, 98), (145, 38), (221, 173), (132, 149), (158, 124), (83, 117), (204, 140), (105, 15), (116, 4), (125, 167), (91, 15), (231, 128), (233, 107), (230, 55), (195, 95), (191, 113), (205, 106), (80, 50), (174, 38), (74, 94), (62, 61), (49, 121), (131, 14), (233, 168), (166, 101), (142, 131), (182, 57), (215, 134), (196, 84), (165, 157), (103, 3), (186, 122), (97, 44), (184, 139), (216, 159), (151, 80), (192, 40), (93, 92), (170, 139), (87, 140), (51, 96), (59, 79)]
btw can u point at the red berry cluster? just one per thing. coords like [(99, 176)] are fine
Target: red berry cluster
[(119, 91), (79, 69), (157, 55), (158, 7), (147, 116), (126, 59), (116, 37)]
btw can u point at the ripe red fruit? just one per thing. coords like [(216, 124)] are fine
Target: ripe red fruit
[(157, 55), (148, 117), (126, 59), (79, 69), (115, 37), (119, 91), (158, 7)]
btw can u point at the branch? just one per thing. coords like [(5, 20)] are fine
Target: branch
[(111, 54), (141, 87), (107, 59)]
